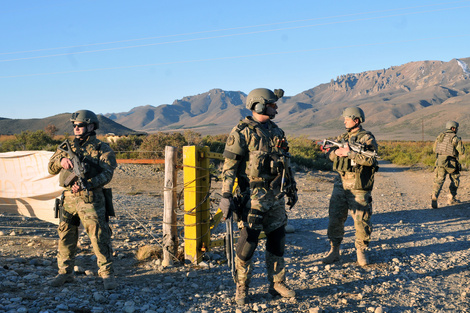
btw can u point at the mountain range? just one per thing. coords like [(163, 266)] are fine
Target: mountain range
[(412, 101)]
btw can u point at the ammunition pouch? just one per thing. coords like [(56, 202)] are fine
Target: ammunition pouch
[(67, 178), (342, 164), (365, 177), (255, 219), (108, 200), (259, 165)]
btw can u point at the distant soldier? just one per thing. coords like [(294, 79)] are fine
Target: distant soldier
[(352, 188), (84, 199), (448, 147), (256, 154)]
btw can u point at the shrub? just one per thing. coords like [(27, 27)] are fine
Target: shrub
[(127, 147), (29, 140), (306, 153), (153, 146)]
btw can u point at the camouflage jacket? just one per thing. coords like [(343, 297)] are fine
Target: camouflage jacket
[(98, 157), (254, 152)]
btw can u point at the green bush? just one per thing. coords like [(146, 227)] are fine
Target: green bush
[(215, 143), (127, 147), (153, 146), (28, 140), (407, 152), (307, 153)]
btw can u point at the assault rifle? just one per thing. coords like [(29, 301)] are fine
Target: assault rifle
[(354, 146), (240, 204), (78, 169)]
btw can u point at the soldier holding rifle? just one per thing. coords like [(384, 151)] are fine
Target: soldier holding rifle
[(256, 153), (85, 166), (352, 188)]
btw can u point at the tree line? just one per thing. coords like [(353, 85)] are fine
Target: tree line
[(306, 153)]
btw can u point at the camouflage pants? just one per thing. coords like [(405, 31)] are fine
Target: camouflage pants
[(90, 211), (359, 203), (274, 211), (440, 174), (274, 217)]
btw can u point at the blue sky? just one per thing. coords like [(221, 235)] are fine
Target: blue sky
[(111, 56)]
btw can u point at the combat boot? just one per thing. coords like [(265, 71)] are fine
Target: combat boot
[(434, 201), (281, 289), (333, 255), (451, 200), (61, 279), (362, 259), (241, 294), (243, 270), (109, 282)]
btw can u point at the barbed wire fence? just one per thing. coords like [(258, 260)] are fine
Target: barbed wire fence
[(130, 213), (170, 245)]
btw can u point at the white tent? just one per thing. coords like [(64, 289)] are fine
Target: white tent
[(26, 187)]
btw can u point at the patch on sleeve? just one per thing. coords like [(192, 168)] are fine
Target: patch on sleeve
[(230, 140)]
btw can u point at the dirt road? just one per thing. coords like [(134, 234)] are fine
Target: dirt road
[(420, 256)]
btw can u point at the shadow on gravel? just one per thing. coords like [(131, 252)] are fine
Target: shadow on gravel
[(349, 293)]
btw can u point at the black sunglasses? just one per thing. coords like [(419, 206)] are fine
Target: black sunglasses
[(80, 125)]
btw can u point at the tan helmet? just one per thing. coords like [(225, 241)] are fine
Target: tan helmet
[(85, 116), (354, 112), (451, 124), (259, 97)]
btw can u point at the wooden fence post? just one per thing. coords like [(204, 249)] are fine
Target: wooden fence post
[(170, 238)]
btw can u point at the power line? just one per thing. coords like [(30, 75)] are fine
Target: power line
[(238, 57), (228, 29), (227, 35)]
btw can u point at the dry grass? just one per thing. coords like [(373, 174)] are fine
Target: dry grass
[(6, 137), (148, 252)]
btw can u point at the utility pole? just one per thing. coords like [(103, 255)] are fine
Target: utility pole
[(422, 129)]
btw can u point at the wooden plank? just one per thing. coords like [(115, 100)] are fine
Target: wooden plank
[(140, 161)]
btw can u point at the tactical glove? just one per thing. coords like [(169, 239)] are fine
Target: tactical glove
[(227, 206)]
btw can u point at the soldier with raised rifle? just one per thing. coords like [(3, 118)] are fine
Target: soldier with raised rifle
[(353, 186), (256, 153), (85, 167)]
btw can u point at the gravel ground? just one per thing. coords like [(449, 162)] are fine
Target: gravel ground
[(420, 256)]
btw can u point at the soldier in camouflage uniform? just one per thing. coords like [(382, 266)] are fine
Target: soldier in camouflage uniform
[(448, 147), (84, 202), (352, 188), (256, 154)]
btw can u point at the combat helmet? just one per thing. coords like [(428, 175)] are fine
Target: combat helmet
[(451, 124), (259, 97), (354, 112), (85, 116)]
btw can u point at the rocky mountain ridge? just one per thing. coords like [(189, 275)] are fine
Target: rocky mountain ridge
[(412, 101)]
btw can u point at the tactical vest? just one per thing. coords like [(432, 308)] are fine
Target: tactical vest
[(346, 164), (444, 144), (363, 177), (266, 149)]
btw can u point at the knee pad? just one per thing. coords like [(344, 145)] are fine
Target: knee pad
[(276, 241), (247, 243)]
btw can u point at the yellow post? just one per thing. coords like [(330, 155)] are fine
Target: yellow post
[(196, 202)]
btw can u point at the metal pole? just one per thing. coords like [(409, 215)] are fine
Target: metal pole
[(196, 203)]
